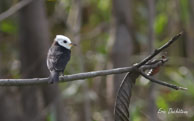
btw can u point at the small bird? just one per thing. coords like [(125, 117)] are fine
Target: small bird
[(155, 70), (58, 56)]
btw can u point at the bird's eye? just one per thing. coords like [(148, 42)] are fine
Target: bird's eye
[(65, 41)]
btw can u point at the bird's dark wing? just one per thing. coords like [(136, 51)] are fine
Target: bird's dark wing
[(57, 59), (62, 61)]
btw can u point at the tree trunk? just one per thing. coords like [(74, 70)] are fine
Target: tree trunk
[(152, 109), (34, 43), (33, 50), (123, 44), (122, 36)]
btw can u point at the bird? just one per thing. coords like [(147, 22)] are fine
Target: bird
[(58, 56), (155, 70)]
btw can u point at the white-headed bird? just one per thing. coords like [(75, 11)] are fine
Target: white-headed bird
[(58, 56)]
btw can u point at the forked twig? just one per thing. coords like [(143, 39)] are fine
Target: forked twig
[(161, 82)]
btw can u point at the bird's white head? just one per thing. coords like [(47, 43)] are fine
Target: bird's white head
[(64, 41)]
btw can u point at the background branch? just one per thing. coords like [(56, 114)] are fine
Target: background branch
[(14, 9)]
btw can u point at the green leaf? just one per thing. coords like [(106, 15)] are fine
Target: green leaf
[(160, 23), (161, 103), (8, 26)]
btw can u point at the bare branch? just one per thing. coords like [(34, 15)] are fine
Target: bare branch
[(14, 9), (161, 82), (36, 81)]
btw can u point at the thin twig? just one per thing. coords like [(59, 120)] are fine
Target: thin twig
[(14, 9), (161, 82), (154, 64), (157, 51)]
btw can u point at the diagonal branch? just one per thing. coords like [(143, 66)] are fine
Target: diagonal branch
[(157, 51), (14, 9), (161, 82)]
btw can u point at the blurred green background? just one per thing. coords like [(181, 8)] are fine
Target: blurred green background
[(109, 34)]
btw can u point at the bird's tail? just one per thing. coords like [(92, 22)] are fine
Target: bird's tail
[(54, 77)]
